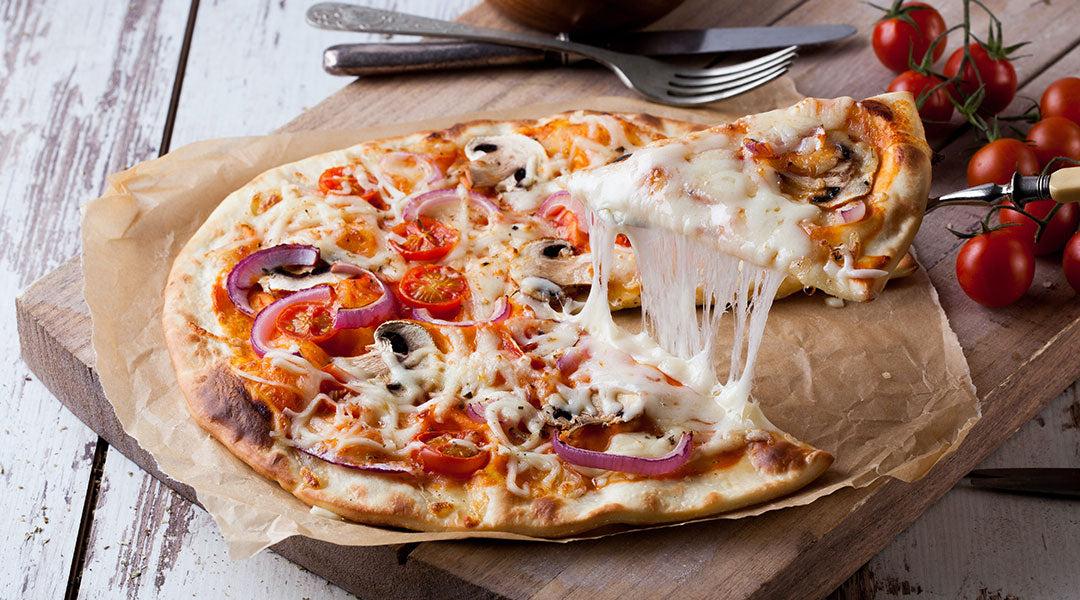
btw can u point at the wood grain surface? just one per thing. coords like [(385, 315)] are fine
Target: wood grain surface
[(144, 541)]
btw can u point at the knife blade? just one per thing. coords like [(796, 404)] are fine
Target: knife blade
[(374, 59), (1040, 482)]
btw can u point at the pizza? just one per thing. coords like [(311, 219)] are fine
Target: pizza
[(418, 331)]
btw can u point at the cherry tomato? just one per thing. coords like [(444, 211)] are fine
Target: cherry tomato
[(997, 74), (1062, 99), (437, 288), (1055, 136), (357, 292), (1057, 232), (936, 106), (568, 228), (997, 161), (895, 39), (995, 268), (1071, 262), (309, 321), (452, 453), (358, 240), (423, 239), (338, 181)]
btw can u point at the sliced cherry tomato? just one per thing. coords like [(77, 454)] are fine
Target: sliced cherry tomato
[(1062, 99), (936, 106), (437, 288), (423, 239), (337, 181), (568, 228), (1055, 136), (452, 453), (358, 240), (1071, 262), (996, 73), (895, 39), (309, 321), (995, 268), (1057, 231), (997, 161), (622, 240), (357, 292)]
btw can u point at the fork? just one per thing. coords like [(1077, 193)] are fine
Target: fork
[(656, 80)]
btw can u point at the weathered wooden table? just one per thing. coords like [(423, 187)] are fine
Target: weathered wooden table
[(89, 88)]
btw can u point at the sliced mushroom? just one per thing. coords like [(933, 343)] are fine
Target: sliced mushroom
[(547, 269), (504, 162), (366, 367), (406, 339), (288, 282), (563, 418), (829, 173)]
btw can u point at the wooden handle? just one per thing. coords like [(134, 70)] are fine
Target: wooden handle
[(1065, 185), (384, 59)]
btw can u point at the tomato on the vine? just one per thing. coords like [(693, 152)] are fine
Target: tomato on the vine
[(995, 268), (437, 288), (309, 321), (997, 161), (423, 238), (996, 73), (1062, 99), (1057, 232), (452, 453), (895, 39), (1070, 262), (936, 106), (1055, 136)]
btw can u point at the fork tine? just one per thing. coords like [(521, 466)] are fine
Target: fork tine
[(768, 59), (727, 83), (711, 83), (727, 92)]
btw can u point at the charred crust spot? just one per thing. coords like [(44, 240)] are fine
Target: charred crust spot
[(227, 403), (545, 509), (471, 522), (775, 457), (403, 506), (651, 121), (440, 509), (878, 109), (829, 193)]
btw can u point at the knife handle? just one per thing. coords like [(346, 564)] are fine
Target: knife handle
[(1065, 185), (379, 59)]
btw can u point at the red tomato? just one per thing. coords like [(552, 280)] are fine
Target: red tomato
[(568, 228), (423, 239), (437, 288), (1057, 232), (995, 268), (1055, 136), (997, 74), (357, 292), (308, 321), (935, 106), (452, 453), (997, 161), (895, 40), (1062, 99), (338, 182), (1071, 262)]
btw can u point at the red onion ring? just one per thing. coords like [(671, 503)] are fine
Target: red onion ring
[(436, 173), (266, 321), (563, 199), (242, 277), (626, 464), (370, 467), (371, 314), (500, 313), (476, 411), (852, 213), (436, 198), (571, 360)]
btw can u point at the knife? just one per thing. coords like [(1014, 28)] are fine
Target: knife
[(1039, 482), (371, 59)]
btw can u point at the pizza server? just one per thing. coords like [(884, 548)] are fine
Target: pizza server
[(1062, 186)]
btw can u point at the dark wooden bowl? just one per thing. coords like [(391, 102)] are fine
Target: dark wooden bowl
[(584, 16)]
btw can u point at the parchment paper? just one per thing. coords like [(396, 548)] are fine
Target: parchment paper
[(883, 386)]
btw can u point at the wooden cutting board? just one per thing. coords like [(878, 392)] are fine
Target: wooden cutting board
[(1020, 357)]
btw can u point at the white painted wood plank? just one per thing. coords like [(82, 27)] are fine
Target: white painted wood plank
[(252, 68), (84, 88), (256, 65), (979, 544)]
